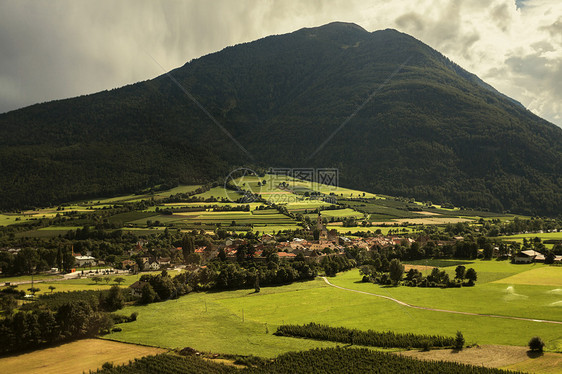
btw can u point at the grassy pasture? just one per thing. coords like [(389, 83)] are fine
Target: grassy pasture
[(140, 197), (76, 357), (76, 284), (341, 213), (373, 229), (342, 192), (487, 298), (428, 220), (543, 236), (253, 206), (235, 321), (26, 278), (306, 205), (10, 219), (218, 193), (130, 216), (268, 229), (541, 276)]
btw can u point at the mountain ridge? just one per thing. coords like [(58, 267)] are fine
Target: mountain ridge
[(434, 131)]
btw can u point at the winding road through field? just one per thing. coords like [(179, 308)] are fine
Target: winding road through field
[(440, 310)]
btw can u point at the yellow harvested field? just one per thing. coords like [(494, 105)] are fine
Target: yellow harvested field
[(543, 276), (428, 213), (493, 356), (549, 363), (421, 268), (76, 357)]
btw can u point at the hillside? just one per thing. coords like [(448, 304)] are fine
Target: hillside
[(434, 131)]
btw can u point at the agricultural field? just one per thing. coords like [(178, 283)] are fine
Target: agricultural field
[(337, 214), (13, 218), (293, 194), (76, 357), (136, 198), (489, 296), (372, 229), (241, 321), (64, 285), (539, 276), (542, 236)]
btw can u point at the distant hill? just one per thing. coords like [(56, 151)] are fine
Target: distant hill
[(434, 131)]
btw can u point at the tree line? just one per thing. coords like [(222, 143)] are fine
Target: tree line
[(382, 339)]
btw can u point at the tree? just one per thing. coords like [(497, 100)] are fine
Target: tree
[(471, 275), (97, 279), (68, 261), (222, 255), (536, 344), (147, 294), (257, 283), (188, 247), (459, 341), (460, 272), (396, 271), (549, 258), (26, 261), (33, 290), (119, 280), (8, 303), (316, 234), (107, 279), (488, 251), (52, 288), (114, 299)]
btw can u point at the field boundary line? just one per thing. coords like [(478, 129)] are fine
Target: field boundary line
[(441, 310)]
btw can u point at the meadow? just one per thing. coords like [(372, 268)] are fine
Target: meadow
[(241, 322), (86, 283)]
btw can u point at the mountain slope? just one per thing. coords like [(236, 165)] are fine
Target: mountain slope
[(433, 131)]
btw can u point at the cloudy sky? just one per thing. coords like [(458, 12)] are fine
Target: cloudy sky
[(64, 48)]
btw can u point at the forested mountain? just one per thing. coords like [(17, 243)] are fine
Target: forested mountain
[(432, 131)]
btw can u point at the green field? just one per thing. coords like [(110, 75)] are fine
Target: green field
[(234, 322), (219, 193), (543, 236), (540, 276), (10, 219), (136, 198), (74, 284), (372, 229)]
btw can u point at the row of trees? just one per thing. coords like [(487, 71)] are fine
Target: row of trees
[(414, 278), (384, 339), (326, 360)]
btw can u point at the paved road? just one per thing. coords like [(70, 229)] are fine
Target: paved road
[(441, 310)]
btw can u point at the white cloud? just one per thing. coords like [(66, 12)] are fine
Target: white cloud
[(69, 47)]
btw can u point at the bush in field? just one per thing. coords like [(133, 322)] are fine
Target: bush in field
[(459, 341), (536, 344)]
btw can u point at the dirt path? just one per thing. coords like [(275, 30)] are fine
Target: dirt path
[(441, 310)]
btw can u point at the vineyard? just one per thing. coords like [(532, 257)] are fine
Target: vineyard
[(331, 360), (385, 339)]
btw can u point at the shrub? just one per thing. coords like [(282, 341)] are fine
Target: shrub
[(107, 365), (536, 344), (459, 341)]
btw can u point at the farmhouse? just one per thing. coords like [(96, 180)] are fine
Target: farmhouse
[(528, 256), (136, 288)]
